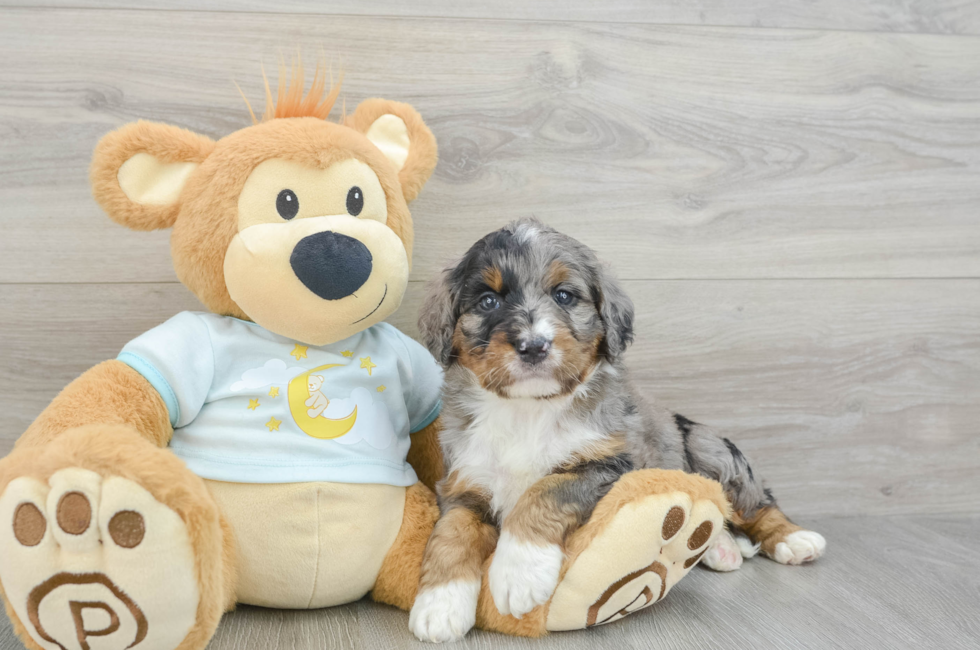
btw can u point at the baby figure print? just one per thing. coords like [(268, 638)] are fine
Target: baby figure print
[(318, 402)]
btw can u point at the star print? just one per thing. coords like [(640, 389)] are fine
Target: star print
[(381, 388), (273, 424), (367, 365), (299, 351), (274, 391), (347, 353), (253, 404)]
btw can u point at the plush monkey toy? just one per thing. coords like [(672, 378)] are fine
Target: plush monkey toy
[(279, 448)]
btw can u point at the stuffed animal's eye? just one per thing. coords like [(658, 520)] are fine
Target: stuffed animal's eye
[(489, 302), (355, 201), (287, 205), (564, 297)]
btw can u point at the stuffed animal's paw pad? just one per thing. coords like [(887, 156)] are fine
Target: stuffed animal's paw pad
[(86, 559), (647, 547)]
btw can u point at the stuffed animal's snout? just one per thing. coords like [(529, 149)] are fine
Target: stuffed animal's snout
[(331, 265)]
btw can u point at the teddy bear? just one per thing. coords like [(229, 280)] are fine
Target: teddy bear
[(279, 447)]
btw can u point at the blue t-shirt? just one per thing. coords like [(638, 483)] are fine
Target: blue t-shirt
[(250, 406)]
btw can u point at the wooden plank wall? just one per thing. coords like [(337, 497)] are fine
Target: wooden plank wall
[(790, 191)]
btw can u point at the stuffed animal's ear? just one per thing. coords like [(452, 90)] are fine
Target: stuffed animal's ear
[(399, 132), (139, 171)]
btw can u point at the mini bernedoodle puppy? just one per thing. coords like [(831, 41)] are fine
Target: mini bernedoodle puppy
[(531, 330)]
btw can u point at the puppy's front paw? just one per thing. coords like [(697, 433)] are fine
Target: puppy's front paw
[(523, 575), (724, 554), (445, 612), (799, 547)]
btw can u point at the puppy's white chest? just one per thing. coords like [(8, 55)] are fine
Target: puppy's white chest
[(512, 444)]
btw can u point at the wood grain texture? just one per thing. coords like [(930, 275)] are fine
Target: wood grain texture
[(850, 397), (886, 582), (680, 152), (925, 16)]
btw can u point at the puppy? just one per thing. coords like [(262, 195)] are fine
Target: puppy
[(540, 420)]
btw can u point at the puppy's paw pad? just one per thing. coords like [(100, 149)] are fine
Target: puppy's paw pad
[(800, 547), (523, 575), (723, 554), (445, 612), (87, 561)]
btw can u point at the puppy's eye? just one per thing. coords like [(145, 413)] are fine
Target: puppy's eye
[(564, 297), (489, 302), (355, 201), (287, 205)]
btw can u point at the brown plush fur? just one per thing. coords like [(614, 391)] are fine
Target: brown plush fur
[(204, 220), (167, 143), (422, 156), (119, 450), (208, 216), (111, 421), (109, 393), (398, 579), (425, 455)]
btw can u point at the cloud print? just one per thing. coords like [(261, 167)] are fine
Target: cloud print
[(373, 425), (274, 371)]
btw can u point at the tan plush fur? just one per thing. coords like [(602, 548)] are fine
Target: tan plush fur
[(118, 450), (399, 577)]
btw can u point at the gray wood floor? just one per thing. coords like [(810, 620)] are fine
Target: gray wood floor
[(889, 582), (791, 191)]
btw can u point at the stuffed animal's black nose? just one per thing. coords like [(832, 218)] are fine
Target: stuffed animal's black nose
[(533, 350), (331, 265)]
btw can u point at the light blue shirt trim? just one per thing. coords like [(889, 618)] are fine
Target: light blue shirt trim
[(429, 419), (143, 367)]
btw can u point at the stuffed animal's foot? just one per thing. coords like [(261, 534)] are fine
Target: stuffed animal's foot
[(642, 539), (94, 560)]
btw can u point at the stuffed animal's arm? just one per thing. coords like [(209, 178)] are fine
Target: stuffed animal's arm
[(425, 455), (109, 393)]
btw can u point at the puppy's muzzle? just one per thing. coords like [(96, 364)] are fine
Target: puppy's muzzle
[(331, 265), (533, 351)]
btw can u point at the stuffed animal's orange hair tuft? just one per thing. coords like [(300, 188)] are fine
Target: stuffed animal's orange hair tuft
[(289, 100)]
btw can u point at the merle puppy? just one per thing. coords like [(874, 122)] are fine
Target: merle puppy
[(531, 330)]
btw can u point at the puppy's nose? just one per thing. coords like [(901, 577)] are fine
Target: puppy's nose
[(534, 350), (331, 265)]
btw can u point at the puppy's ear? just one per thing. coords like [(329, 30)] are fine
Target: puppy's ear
[(437, 318), (139, 171), (399, 132), (616, 311)]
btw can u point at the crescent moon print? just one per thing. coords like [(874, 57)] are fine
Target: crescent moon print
[(307, 404)]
